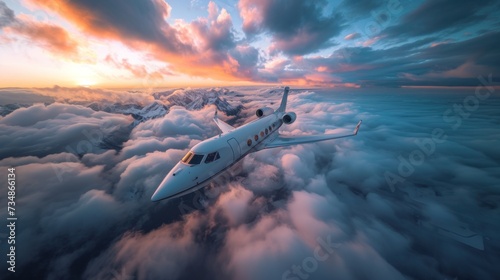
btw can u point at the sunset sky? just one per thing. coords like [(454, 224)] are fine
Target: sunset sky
[(101, 99), (156, 43)]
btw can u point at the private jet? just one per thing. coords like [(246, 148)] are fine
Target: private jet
[(209, 158)]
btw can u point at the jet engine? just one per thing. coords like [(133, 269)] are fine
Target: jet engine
[(264, 111), (289, 118)]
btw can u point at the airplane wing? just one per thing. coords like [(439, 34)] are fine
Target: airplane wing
[(282, 140), (224, 127)]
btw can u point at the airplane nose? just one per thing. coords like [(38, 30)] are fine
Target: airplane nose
[(156, 196), (174, 183), (164, 190)]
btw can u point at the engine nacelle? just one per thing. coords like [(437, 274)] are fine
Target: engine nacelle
[(264, 111), (289, 118)]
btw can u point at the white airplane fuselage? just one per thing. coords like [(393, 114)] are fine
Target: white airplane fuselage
[(231, 146)]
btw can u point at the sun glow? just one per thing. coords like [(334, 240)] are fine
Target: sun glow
[(86, 83), (84, 75)]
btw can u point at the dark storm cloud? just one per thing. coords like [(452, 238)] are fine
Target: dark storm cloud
[(297, 27), (432, 17)]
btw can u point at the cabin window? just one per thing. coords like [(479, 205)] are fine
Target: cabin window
[(195, 159), (256, 137), (249, 142), (274, 125), (212, 157), (267, 131), (262, 134), (270, 129)]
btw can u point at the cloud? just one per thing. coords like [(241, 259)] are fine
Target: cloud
[(296, 27), (450, 64), (215, 30), (428, 18), (50, 37), (7, 16), (140, 175), (144, 145), (361, 8), (89, 95), (194, 125), (85, 217), (267, 245), (42, 226), (381, 62), (150, 255), (235, 205), (22, 96), (217, 51), (42, 130), (265, 175), (138, 71), (120, 19), (352, 36)]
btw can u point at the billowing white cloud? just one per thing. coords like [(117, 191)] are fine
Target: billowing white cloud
[(42, 130), (167, 250)]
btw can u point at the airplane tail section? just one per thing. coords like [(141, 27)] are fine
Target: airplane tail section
[(282, 107)]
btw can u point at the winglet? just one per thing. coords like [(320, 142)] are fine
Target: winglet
[(357, 127), (224, 127), (282, 107)]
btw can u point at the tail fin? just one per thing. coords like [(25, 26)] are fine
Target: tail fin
[(282, 107)]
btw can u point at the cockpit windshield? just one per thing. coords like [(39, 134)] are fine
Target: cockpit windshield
[(192, 158), (212, 157), (195, 159)]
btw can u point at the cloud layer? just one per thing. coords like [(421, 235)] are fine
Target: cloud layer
[(320, 210)]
